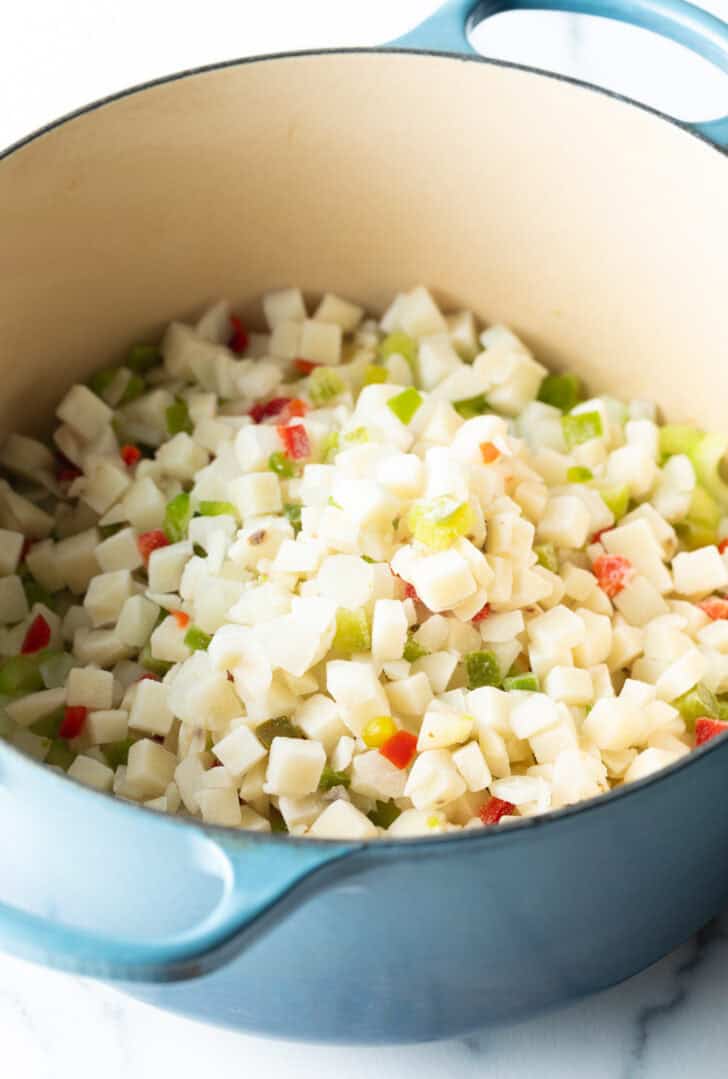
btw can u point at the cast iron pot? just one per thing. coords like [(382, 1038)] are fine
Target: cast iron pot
[(598, 229)]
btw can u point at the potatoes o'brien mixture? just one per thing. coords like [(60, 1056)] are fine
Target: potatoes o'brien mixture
[(353, 578)]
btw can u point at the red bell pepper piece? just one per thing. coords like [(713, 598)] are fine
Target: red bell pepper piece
[(399, 749), (482, 614), (305, 366), (723, 546), (613, 572), (151, 541), (493, 810), (295, 440), (148, 674), (238, 341), (715, 607), (66, 471), (284, 407), (707, 728), (181, 618), (264, 411), (130, 455), (37, 636), (74, 718), (295, 407), (68, 475), (489, 452)]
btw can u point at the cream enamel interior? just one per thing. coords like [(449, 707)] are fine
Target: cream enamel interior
[(594, 228)]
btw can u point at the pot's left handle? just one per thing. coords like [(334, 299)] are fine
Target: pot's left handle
[(448, 28), (86, 880), (238, 919)]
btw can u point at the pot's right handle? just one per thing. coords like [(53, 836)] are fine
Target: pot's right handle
[(447, 31)]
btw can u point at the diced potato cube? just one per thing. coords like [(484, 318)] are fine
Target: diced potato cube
[(294, 767), (389, 630), (597, 640), (340, 312), (167, 642), (76, 559), (86, 413), (320, 341), (410, 696), (319, 718), (373, 776), (119, 551), (558, 628), (419, 314), (699, 572), (300, 813), (90, 687), (106, 595), (682, 675), (43, 564), (533, 713), (472, 766), (34, 706), (648, 761), (150, 711), (181, 457), (565, 523), (570, 685), (348, 580), (220, 806), (188, 777), (143, 505), (13, 604), (11, 544), (343, 753), (137, 619), (107, 725), (92, 773), (285, 340), (439, 669), (283, 305), (150, 768), (239, 751), (636, 542), (166, 565), (434, 780), (252, 821), (342, 820), (104, 485), (441, 729), (639, 602), (256, 494), (443, 580), (614, 723)]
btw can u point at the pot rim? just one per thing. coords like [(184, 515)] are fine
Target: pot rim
[(394, 844), (221, 65)]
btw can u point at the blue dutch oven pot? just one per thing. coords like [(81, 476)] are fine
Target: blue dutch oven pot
[(391, 941)]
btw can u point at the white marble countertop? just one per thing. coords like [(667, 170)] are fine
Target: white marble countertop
[(663, 1024), (666, 1023)]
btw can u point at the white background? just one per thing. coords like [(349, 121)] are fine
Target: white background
[(54, 56)]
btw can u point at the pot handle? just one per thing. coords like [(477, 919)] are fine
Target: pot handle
[(124, 869), (705, 34), (259, 890)]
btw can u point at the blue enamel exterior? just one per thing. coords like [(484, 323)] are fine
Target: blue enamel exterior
[(385, 942), (391, 942), (447, 31)]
